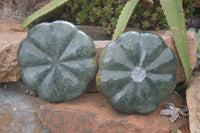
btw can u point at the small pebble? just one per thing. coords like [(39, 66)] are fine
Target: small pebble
[(5, 86), (185, 109)]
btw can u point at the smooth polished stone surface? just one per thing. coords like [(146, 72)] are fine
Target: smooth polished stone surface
[(137, 72), (57, 61)]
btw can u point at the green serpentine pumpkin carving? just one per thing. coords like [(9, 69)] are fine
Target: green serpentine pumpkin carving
[(137, 72), (57, 61)]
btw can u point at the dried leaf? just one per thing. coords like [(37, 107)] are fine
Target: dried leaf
[(167, 112), (174, 115), (169, 106)]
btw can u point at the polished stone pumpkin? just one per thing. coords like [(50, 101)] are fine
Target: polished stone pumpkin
[(137, 72), (57, 61)]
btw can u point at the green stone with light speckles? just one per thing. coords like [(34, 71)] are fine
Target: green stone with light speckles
[(57, 61), (137, 72)]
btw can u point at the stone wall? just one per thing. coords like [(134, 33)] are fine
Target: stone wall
[(9, 42)]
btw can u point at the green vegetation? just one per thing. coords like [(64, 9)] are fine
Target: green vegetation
[(96, 12), (124, 17), (106, 13), (175, 17), (198, 40), (43, 11)]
